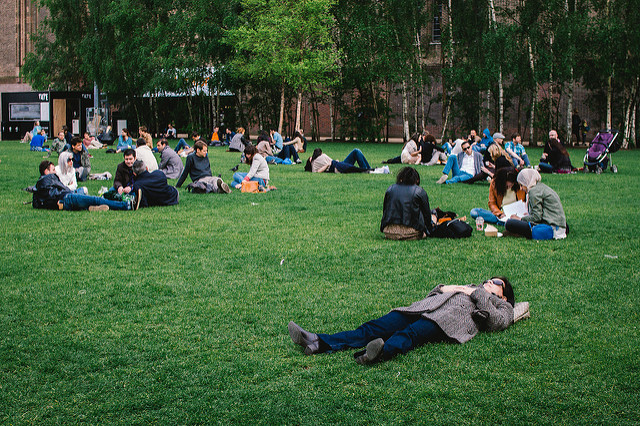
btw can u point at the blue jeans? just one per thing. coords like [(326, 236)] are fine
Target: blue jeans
[(75, 201), (485, 214), (524, 157), (447, 148), (401, 333), (545, 167), (238, 177), (181, 145), (356, 156), (348, 165), (272, 159), (452, 166)]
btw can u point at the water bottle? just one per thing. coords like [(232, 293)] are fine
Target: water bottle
[(479, 223)]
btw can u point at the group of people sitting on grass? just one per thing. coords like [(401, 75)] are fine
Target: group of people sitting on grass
[(406, 210)]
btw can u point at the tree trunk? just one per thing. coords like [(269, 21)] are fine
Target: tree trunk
[(534, 97), (446, 103), (492, 11), (281, 118), (500, 102), (488, 110), (632, 133), (405, 111), (298, 110), (570, 108), (332, 129), (629, 117), (609, 100), (217, 122)]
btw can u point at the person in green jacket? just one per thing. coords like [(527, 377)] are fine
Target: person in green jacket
[(546, 219)]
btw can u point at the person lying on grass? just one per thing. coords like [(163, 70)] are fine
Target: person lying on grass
[(52, 194), (319, 163), (450, 313)]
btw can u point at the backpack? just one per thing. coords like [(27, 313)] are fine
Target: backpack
[(452, 229)]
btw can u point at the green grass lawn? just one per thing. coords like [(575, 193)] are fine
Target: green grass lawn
[(179, 314)]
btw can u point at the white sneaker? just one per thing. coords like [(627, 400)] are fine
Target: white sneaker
[(442, 179)]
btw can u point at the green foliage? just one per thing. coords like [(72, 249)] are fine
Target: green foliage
[(358, 53), (178, 314)]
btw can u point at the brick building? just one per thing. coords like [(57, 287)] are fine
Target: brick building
[(18, 20)]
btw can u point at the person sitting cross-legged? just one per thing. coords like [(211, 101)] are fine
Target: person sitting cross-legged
[(198, 167), (52, 194), (67, 175), (406, 214), (259, 171), (144, 154), (463, 166), (449, 313), (38, 140), (152, 188), (81, 161)]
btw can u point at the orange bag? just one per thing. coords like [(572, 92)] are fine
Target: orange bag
[(249, 186)]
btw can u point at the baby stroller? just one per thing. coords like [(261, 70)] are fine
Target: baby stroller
[(602, 146)]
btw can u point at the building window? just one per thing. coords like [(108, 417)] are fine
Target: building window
[(24, 112), (436, 31)]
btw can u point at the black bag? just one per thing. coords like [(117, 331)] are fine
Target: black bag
[(453, 229)]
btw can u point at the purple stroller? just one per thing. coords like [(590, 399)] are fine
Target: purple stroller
[(598, 155)]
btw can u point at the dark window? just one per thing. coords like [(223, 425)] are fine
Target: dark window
[(436, 31)]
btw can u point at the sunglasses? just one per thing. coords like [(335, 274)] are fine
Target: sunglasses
[(496, 281), (464, 149)]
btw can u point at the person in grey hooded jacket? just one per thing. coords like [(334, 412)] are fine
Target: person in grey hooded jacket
[(449, 313), (170, 162)]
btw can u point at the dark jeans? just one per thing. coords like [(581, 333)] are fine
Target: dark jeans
[(394, 160), (288, 151), (181, 145), (401, 333), (519, 227)]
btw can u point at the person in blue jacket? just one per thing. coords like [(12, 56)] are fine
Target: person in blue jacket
[(152, 187), (484, 143)]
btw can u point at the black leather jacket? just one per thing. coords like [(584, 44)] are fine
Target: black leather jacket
[(407, 205), (49, 190)]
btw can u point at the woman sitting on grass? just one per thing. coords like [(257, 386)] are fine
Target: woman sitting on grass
[(504, 189), (410, 153), (319, 163), (546, 219), (259, 171), (406, 214), (67, 173), (450, 313), (494, 159), (124, 141), (555, 158)]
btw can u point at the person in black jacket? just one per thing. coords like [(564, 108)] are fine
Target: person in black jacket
[(124, 174), (406, 214), (52, 194), (152, 187)]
